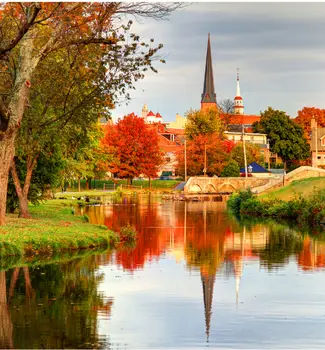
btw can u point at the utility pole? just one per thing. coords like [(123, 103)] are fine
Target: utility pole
[(316, 140), (205, 160), (185, 161), (244, 147)]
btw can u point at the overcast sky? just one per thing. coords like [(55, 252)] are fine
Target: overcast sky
[(279, 48)]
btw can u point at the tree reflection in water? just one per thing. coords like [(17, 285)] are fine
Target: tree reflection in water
[(53, 306)]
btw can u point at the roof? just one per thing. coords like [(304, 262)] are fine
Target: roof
[(208, 95), (256, 168), (158, 115), (150, 114), (246, 119), (176, 131), (166, 145), (238, 98)]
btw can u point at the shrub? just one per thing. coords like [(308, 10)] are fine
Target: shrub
[(251, 206), (236, 199), (128, 234), (231, 169)]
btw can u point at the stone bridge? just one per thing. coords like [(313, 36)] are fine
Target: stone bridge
[(223, 185)]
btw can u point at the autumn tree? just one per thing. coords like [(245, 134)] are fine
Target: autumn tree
[(253, 153), (32, 32), (203, 122), (285, 136), (306, 115), (216, 154), (134, 146)]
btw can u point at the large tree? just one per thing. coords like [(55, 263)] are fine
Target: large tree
[(285, 136), (134, 146), (32, 32)]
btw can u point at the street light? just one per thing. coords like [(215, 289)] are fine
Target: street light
[(250, 169)]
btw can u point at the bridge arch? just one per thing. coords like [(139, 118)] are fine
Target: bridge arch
[(195, 188), (227, 187)]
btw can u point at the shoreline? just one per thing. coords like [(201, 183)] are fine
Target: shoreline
[(52, 229)]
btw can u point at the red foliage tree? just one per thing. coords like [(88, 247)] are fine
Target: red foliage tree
[(134, 146), (217, 155), (305, 116)]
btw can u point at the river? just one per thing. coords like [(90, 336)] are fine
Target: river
[(196, 278)]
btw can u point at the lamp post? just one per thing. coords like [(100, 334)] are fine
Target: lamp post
[(244, 147), (250, 169), (185, 161)]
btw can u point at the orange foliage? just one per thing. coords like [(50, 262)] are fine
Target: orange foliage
[(305, 116), (134, 146)]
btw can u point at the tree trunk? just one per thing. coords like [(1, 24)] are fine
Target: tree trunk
[(23, 192), (7, 151), (6, 328), (10, 119), (78, 184), (149, 183)]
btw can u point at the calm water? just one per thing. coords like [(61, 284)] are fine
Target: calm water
[(195, 279)]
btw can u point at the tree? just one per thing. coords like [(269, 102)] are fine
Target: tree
[(134, 146), (216, 152), (227, 106), (32, 32), (252, 153), (204, 122), (231, 169), (305, 116), (285, 136)]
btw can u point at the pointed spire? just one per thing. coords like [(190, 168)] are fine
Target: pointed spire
[(238, 100), (208, 95), (207, 284), (238, 87)]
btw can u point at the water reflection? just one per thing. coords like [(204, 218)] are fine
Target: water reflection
[(191, 262)]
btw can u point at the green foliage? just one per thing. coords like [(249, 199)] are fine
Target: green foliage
[(231, 169), (285, 136), (203, 123), (46, 176), (306, 211), (252, 153), (236, 200)]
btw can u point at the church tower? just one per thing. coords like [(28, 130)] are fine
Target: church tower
[(209, 98), (239, 103)]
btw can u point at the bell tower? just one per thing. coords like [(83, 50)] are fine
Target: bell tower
[(239, 103)]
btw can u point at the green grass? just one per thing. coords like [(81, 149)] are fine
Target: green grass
[(52, 229), (305, 187), (155, 184)]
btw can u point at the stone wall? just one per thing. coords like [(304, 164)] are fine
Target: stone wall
[(203, 184)]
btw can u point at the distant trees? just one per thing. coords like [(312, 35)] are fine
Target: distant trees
[(306, 115), (134, 147), (227, 106), (205, 122), (285, 136)]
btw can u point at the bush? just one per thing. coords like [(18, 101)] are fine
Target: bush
[(251, 206), (128, 234), (231, 169), (236, 199)]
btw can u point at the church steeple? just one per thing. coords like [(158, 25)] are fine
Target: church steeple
[(239, 104), (208, 99)]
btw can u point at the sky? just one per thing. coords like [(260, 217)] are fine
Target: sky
[(278, 47)]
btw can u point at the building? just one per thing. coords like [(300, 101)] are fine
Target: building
[(317, 145), (150, 117)]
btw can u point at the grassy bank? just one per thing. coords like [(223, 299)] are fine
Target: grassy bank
[(53, 229), (307, 211), (305, 188)]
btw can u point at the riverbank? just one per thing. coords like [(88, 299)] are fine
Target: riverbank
[(307, 211), (53, 229)]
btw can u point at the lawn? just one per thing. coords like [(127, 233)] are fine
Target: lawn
[(305, 187), (52, 229)]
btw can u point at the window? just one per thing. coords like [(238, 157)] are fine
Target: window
[(322, 141)]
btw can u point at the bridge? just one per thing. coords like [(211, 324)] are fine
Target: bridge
[(226, 185)]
